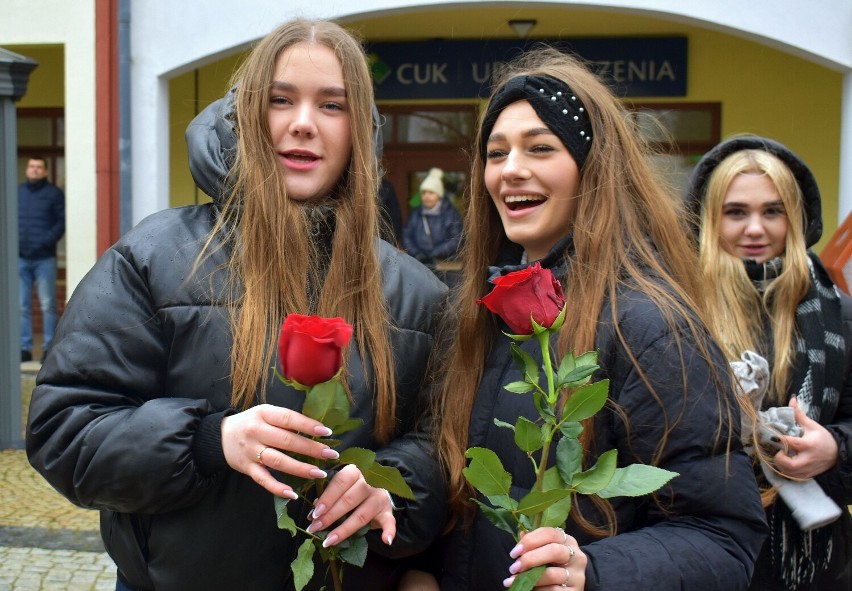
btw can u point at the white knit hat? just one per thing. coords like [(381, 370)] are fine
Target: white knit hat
[(433, 182)]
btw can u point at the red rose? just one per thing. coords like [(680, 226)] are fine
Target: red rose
[(309, 348), (531, 292)]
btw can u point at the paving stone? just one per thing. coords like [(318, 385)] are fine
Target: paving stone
[(46, 543)]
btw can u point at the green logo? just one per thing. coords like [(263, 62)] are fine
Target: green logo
[(379, 69)]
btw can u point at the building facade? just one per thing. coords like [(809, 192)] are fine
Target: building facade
[(781, 68)]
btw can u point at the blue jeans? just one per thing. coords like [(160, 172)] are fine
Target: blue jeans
[(42, 272)]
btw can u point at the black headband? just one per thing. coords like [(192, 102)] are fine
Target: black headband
[(555, 104)]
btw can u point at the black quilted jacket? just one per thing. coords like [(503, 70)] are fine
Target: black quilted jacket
[(711, 525), (127, 411)]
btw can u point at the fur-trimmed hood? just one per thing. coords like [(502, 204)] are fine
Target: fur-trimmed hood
[(810, 191)]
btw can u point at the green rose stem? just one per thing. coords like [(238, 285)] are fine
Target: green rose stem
[(533, 293), (333, 564), (543, 339)]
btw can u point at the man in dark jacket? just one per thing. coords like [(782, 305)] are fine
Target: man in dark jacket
[(41, 224)]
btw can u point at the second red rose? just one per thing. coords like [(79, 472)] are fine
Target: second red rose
[(531, 292)]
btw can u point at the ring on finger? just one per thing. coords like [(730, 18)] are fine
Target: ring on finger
[(564, 535), (567, 576), (259, 455)]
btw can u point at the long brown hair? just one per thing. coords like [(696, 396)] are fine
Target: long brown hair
[(627, 228), (273, 258), (732, 299)]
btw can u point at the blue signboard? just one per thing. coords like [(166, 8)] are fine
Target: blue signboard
[(632, 66)]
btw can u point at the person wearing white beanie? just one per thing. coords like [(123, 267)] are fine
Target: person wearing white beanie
[(434, 228)]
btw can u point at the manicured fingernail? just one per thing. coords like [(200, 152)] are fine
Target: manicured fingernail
[(290, 494), (315, 526), (329, 541), (317, 473), (516, 566), (508, 582), (318, 510), (389, 539), (516, 551), (323, 431), (329, 454)]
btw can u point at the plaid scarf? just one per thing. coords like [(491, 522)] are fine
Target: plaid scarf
[(797, 557)]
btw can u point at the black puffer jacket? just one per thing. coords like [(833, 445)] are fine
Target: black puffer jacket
[(835, 415), (127, 411), (711, 525)]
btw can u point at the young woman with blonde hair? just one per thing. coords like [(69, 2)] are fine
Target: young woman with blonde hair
[(759, 212), (159, 405), (560, 177)]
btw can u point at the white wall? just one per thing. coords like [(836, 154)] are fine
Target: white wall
[(73, 25)]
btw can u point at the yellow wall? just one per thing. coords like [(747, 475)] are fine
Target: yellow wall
[(771, 93), (762, 90), (189, 94), (46, 86)]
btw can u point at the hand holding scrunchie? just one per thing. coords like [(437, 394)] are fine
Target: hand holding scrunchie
[(808, 503)]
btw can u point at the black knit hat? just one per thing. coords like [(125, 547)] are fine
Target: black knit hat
[(555, 104), (812, 203)]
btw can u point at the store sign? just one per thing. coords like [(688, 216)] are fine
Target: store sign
[(632, 66)]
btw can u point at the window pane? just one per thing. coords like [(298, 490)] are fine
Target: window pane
[(682, 125), (439, 127), (35, 131)]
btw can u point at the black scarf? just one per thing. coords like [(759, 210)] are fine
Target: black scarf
[(798, 557)]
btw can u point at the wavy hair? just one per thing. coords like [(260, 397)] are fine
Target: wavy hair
[(628, 229), (274, 262), (733, 300)]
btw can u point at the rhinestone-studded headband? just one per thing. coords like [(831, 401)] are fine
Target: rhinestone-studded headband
[(554, 102)]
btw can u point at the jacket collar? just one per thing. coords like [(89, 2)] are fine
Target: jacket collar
[(510, 259)]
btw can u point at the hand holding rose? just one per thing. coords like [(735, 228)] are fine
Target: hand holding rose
[(267, 437), (554, 549), (259, 438)]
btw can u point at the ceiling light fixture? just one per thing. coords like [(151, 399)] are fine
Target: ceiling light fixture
[(522, 27)]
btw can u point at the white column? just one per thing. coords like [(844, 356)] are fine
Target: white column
[(844, 201)]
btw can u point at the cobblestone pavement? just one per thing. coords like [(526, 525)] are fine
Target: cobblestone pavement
[(46, 543)]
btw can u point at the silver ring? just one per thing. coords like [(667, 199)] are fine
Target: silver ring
[(565, 535), (259, 456), (567, 576), (571, 550)]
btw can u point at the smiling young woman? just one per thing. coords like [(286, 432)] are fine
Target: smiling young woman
[(159, 405), (561, 180), (758, 211)]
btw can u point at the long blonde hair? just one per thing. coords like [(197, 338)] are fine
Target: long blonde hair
[(272, 256), (628, 229), (740, 310)]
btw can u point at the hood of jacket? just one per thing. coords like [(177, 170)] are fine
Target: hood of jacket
[(211, 142), (696, 191)]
